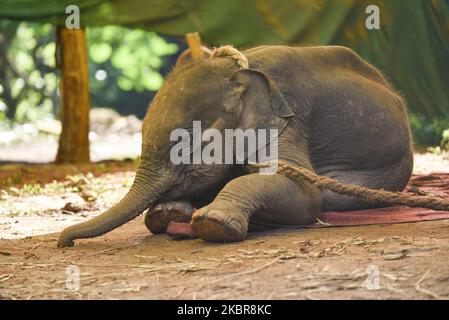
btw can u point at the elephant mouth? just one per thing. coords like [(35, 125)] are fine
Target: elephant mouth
[(201, 190), (197, 197), (203, 199)]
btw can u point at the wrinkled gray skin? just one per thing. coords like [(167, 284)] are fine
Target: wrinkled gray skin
[(336, 115)]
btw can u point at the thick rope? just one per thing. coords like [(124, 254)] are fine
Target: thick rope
[(230, 51), (367, 194)]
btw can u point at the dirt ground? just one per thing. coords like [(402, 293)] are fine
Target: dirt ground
[(325, 263), (399, 261)]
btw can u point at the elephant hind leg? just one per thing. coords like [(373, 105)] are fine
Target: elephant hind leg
[(159, 217), (391, 179)]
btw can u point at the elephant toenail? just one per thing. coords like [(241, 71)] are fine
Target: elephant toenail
[(199, 217), (157, 207)]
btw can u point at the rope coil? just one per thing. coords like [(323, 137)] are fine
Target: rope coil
[(367, 194), (230, 51)]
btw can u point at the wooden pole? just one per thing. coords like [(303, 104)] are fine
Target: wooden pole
[(194, 41), (74, 88)]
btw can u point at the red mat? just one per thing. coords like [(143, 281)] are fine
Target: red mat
[(435, 185)]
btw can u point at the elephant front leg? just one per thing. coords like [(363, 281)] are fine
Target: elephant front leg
[(258, 200), (159, 217)]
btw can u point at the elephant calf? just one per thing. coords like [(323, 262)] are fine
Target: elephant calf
[(335, 114)]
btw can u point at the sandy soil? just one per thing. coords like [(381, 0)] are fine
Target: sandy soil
[(332, 263), (402, 261)]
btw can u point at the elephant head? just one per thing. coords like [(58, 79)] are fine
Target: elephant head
[(214, 91)]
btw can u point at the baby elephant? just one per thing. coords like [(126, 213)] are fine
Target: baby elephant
[(334, 114)]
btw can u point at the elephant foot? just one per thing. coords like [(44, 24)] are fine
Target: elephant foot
[(158, 218), (218, 224)]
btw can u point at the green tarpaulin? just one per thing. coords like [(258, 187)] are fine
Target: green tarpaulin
[(411, 47)]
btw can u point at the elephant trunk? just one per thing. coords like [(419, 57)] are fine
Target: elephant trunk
[(143, 194)]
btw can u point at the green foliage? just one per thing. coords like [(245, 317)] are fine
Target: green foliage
[(124, 68), (122, 63), (136, 55), (445, 140), (429, 132), (51, 188), (28, 74)]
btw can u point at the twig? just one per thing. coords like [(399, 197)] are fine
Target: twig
[(36, 246), (181, 291), (322, 223), (425, 291), (271, 295), (247, 271), (107, 275), (393, 289), (109, 250), (6, 276)]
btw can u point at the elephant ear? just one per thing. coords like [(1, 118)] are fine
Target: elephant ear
[(257, 101)]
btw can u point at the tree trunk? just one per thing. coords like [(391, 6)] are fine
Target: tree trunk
[(74, 88)]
